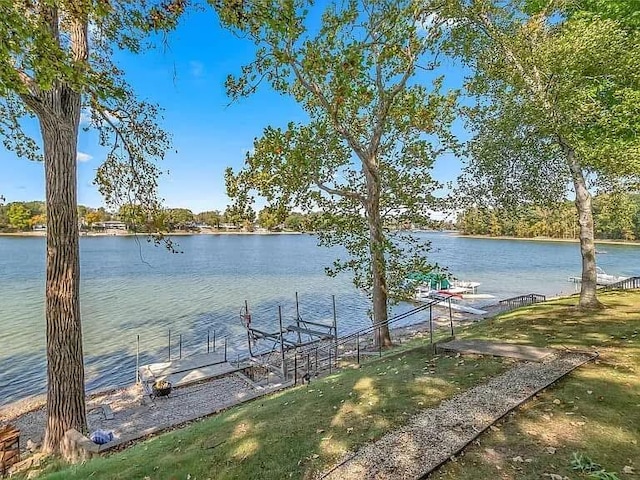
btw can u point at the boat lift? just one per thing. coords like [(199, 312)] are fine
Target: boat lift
[(307, 334)]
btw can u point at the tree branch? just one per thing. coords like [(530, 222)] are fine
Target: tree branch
[(340, 192)]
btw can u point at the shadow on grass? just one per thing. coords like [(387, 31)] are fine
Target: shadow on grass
[(594, 411), (301, 431)]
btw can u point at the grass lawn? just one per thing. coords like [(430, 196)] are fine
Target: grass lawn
[(594, 412), (299, 431)]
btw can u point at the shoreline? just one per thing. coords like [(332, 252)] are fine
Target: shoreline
[(633, 243), (401, 333), (119, 233)]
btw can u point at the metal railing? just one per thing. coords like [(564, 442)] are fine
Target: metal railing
[(630, 283), (522, 300)]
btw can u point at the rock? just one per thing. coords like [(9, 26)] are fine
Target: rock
[(628, 470), (32, 446)]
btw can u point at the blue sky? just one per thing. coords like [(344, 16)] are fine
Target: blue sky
[(187, 79)]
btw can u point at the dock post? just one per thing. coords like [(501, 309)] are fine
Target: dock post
[(169, 344), (295, 369), (431, 324), (298, 319), (225, 349), (284, 367), (316, 363), (138, 359), (451, 316), (335, 327), (358, 348), (180, 346), (208, 339)]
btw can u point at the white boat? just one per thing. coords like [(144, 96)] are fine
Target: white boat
[(425, 294), (602, 278)]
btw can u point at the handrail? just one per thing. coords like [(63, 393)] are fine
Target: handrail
[(626, 284), (523, 300)]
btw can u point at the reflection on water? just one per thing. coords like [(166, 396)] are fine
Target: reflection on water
[(131, 288)]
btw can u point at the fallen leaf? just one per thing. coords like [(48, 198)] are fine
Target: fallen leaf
[(551, 450), (628, 470), (494, 428), (518, 459), (590, 392), (557, 401), (320, 430), (350, 429), (555, 476)]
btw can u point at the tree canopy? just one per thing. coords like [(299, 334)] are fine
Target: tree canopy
[(374, 130), (556, 86)]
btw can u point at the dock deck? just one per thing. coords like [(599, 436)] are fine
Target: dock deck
[(188, 370)]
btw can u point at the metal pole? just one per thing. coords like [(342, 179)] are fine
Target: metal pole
[(284, 367), (329, 361), (295, 369), (316, 363), (214, 340), (335, 327), (308, 368), (180, 337), (450, 316), (431, 328), (298, 318), (169, 344), (379, 341), (208, 340), (138, 359), (225, 349), (358, 347)]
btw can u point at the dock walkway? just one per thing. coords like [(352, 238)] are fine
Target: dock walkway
[(188, 370), (486, 347)]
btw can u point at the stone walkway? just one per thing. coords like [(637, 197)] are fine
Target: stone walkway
[(486, 347), (434, 435)]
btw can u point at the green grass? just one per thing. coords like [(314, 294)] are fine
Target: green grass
[(594, 412), (299, 431)]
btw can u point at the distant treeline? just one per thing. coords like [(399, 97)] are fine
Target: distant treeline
[(616, 217)]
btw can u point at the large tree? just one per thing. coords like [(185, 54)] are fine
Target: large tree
[(557, 90), (56, 65), (374, 128)]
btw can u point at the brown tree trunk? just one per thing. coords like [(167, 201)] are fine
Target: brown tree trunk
[(588, 287), (65, 367), (378, 262)]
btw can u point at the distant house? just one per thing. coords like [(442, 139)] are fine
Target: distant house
[(110, 225), (229, 226)]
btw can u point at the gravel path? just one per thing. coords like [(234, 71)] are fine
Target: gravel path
[(433, 436), (131, 415)]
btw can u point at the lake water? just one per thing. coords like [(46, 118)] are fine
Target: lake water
[(131, 288)]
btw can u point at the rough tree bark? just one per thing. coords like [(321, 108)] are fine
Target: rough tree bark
[(65, 368), (58, 110), (588, 298), (376, 251)]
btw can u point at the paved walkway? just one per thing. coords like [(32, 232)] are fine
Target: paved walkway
[(486, 347), (431, 437)]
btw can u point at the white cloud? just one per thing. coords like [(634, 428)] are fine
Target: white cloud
[(196, 68), (84, 157)]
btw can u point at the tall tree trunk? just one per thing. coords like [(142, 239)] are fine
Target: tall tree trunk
[(588, 294), (65, 368), (378, 262)]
